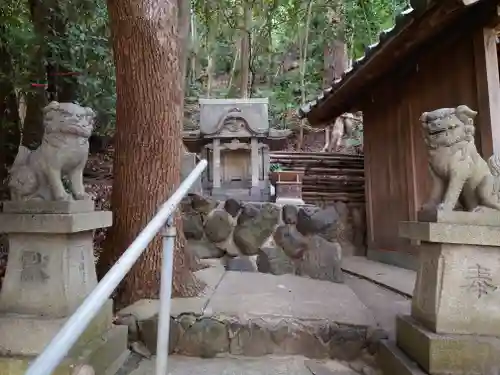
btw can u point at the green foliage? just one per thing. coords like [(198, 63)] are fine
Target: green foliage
[(75, 35), (275, 167), (16, 38), (83, 47), (278, 31)]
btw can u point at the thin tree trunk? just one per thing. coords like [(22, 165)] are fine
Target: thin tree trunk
[(335, 60), (33, 121), (184, 27), (304, 49), (245, 49), (194, 74), (147, 148), (36, 97), (211, 10), (269, 36), (233, 69), (210, 75), (184, 21), (9, 115)]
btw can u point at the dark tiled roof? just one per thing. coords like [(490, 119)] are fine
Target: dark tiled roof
[(405, 18)]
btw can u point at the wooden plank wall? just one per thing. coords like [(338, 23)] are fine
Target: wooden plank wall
[(328, 177), (397, 181)]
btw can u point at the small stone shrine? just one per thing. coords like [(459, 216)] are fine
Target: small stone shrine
[(454, 327), (50, 268), (235, 137)]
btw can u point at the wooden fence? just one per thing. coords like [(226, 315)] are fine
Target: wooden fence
[(328, 177)]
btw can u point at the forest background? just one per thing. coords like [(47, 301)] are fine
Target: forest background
[(285, 50)]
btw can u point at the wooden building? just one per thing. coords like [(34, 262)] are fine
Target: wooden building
[(440, 53)]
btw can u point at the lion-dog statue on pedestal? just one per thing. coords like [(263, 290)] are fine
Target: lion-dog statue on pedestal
[(37, 174), (459, 174)]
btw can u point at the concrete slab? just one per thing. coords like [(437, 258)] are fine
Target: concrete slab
[(384, 304), (147, 308), (290, 365), (48, 207), (486, 217), (211, 276), (397, 279), (249, 295), (55, 223), (469, 234)]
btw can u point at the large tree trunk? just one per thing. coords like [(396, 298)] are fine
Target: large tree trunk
[(147, 141)]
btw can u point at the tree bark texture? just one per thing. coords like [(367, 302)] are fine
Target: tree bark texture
[(245, 49), (147, 141)]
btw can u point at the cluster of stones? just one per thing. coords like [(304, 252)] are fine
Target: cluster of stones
[(209, 336), (281, 239)]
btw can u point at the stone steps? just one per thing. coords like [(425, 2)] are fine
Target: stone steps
[(233, 365), (254, 314)]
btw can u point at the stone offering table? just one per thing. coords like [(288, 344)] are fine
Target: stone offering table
[(288, 187), (50, 271), (454, 327)]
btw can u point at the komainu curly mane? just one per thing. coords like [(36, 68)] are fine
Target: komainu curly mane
[(64, 150), (458, 172)]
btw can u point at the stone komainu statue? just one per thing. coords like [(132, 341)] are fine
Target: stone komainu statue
[(459, 173), (64, 151)]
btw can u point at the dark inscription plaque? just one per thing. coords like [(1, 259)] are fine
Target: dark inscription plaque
[(34, 267)]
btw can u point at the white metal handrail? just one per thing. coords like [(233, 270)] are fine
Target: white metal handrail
[(71, 331)]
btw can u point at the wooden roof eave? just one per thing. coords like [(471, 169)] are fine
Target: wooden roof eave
[(428, 19)]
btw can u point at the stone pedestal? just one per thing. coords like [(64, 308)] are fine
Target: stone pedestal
[(50, 271), (454, 327)]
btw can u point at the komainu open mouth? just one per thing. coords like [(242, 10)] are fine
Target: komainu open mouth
[(437, 131)]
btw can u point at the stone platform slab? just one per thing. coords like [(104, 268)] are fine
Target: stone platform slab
[(15, 327), (54, 223), (467, 234), (106, 354), (179, 365), (448, 354), (486, 217), (48, 207), (393, 361), (254, 314), (251, 295), (397, 279)]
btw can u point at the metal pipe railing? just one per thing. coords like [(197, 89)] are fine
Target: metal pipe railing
[(71, 331)]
